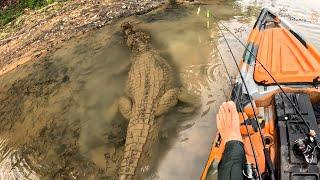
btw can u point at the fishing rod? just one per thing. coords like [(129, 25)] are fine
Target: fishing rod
[(241, 110), (265, 149), (251, 101), (243, 116), (239, 104)]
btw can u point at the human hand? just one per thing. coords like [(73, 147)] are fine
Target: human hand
[(228, 122)]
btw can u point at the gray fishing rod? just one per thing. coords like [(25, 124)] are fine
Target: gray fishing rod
[(237, 102), (265, 149), (236, 99)]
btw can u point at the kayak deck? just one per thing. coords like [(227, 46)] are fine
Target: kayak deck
[(288, 60)]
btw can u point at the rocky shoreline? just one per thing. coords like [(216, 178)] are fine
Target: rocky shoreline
[(36, 33)]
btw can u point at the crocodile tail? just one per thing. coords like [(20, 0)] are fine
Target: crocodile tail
[(136, 139), (137, 40), (140, 142)]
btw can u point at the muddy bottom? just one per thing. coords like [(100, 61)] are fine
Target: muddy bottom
[(42, 140), (51, 127)]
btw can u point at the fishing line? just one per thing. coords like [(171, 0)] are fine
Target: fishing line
[(224, 64)]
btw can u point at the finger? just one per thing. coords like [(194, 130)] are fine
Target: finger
[(221, 118), (234, 114), (228, 114), (225, 113), (232, 106), (222, 111)]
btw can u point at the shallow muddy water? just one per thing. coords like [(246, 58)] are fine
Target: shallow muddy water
[(59, 119)]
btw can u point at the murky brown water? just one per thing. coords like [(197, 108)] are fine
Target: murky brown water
[(58, 119)]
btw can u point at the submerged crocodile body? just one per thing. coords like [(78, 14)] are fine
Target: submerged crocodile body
[(149, 95)]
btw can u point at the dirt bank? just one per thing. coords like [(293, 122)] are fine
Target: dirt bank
[(36, 33)]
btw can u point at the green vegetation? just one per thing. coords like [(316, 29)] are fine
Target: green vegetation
[(15, 10)]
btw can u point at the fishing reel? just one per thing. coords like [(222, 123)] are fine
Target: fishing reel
[(306, 148), (250, 172)]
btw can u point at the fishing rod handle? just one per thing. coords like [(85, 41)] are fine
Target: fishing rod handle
[(269, 164)]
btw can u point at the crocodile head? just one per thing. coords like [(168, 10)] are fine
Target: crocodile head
[(137, 40)]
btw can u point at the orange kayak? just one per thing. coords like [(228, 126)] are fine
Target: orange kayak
[(280, 115)]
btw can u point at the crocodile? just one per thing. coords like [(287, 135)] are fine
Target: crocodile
[(150, 93)]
